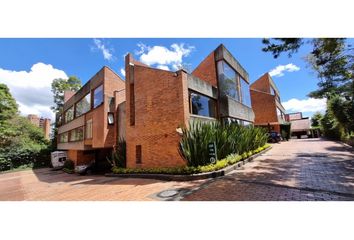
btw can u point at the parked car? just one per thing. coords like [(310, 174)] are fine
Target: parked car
[(274, 137)]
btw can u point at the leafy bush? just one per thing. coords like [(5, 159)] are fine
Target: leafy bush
[(229, 139), (69, 164), (118, 156), (331, 127), (186, 170), (22, 143)]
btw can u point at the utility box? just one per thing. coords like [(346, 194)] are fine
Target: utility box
[(58, 158)]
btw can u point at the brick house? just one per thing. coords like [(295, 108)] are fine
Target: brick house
[(266, 103), (151, 106), (89, 126)]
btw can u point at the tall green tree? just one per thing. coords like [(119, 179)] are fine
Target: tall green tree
[(8, 105), (332, 59), (21, 142), (316, 119), (59, 86)]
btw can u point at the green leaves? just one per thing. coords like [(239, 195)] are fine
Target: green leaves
[(290, 45), (22, 143), (229, 138), (8, 105), (59, 86)]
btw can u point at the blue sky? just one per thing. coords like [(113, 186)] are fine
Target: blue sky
[(29, 65)]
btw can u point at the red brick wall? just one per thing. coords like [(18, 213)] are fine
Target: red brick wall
[(79, 158), (206, 70), (264, 107), (261, 84), (112, 83), (160, 100)]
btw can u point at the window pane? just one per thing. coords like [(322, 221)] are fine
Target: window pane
[(89, 129), (69, 114), (280, 114), (77, 134), (202, 105), (98, 96), (64, 137), (228, 82), (83, 105), (246, 98)]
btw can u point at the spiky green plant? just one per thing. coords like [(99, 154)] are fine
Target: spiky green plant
[(229, 139)]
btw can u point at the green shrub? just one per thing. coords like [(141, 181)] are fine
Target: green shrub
[(69, 164), (229, 139), (22, 144), (187, 170)]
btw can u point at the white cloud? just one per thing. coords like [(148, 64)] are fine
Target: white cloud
[(163, 57), (122, 71), (163, 67), (280, 69), (107, 53), (32, 89), (305, 105)]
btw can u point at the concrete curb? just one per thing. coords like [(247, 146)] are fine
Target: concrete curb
[(198, 176)]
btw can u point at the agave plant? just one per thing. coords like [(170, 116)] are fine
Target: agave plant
[(229, 139)]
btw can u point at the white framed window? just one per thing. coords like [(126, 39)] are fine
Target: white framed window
[(88, 130)]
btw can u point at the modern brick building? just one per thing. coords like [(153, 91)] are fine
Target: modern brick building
[(149, 108), (43, 123), (89, 126), (266, 103)]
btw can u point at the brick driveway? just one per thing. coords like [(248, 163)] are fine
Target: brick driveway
[(301, 169), (45, 184), (304, 169)]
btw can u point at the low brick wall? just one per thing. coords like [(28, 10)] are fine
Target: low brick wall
[(199, 176)]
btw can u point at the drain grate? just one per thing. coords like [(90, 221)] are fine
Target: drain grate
[(167, 194)]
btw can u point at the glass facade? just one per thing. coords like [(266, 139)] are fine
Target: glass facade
[(83, 106), (246, 97), (280, 114), (89, 129), (69, 114), (229, 120), (77, 134), (228, 81), (202, 105), (98, 96), (63, 137)]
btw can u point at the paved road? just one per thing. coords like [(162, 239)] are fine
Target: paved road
[(301, 169), (305, 169), (48, 185)]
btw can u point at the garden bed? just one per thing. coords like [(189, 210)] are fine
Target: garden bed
[(221, 168)]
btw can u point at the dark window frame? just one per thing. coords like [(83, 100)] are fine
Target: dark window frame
[(93, 96), (138, 154), (190, 92)]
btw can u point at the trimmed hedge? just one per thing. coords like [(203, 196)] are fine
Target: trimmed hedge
[(187, 170)]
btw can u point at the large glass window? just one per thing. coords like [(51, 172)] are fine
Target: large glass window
[(89, 129), (63, 137), (202, 105), (98, 96), (77, 134), (280, 113), (272, 91), (228, 81), (246, 98), (83, 106), (69, 114)]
